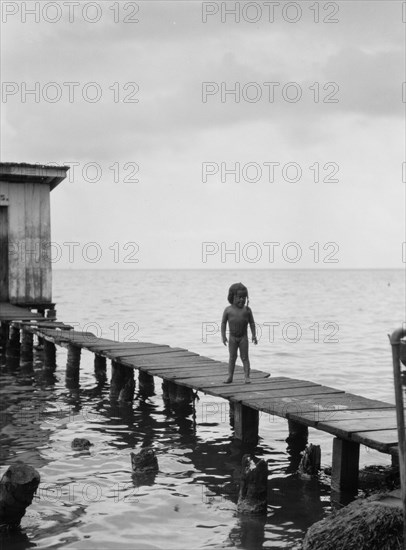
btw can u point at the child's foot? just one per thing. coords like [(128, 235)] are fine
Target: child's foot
[(228, 381), (247, 381)]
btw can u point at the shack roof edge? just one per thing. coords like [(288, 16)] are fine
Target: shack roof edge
[(23, 172)]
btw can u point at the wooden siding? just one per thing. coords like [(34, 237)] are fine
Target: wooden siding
[(29, 235)]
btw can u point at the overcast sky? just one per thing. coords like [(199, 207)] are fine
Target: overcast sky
[(153, 138)]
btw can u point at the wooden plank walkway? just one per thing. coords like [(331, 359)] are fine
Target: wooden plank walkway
[(10, 312), (348, 416), (352, 419)]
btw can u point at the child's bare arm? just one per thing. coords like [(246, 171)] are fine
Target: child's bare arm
[(224, 326), (252, 326)]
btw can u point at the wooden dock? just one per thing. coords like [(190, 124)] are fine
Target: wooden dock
[(353, 420)]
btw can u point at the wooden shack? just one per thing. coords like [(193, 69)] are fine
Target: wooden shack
[(25, 233)]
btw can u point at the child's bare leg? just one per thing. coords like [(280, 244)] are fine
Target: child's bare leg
[(232, 347), (247, 369), (245, 360)]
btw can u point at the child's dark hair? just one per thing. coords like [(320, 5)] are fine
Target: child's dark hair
[(232, 291)]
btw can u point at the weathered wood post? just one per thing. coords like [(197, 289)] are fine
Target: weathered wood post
[(176, 396), (3, 335), (73, 366), (146, 383), (100, 369), (183, 396), (253, 496), (231, 413), (310, 463), (17, 488), (13, 343), (397, 350), (246, 422), (27, 339), (169, 392), (49, 354), (345, 467), (298, 434), (122, 384), (297, 441)]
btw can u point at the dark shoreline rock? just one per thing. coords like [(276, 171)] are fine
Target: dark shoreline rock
[(17, 489), (365, 524)]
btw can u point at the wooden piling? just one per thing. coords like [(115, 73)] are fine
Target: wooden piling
[(252, 498), (122, 384), (246, 422), (73, 366), (13, 343), (27, 339), (183, 396), (146, 383), (100, 369), (344, 475), (298, 433), (398, 348), (49, 354), (3, 335), (231, 413)]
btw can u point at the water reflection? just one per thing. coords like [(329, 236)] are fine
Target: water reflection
[(196, 461)]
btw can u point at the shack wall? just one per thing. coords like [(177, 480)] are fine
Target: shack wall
[(29, 235)]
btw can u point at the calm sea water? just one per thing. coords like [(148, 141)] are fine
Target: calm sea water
[(326, 326)]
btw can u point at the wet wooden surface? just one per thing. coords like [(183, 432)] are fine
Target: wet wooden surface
[(348, 416)]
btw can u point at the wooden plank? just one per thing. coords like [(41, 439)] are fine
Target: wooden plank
[(381, 440), (45, 247), (342, 401), (112, 345), (190, 384), (264, 385), (33, 242), (343, 428), (359, 414), (171, 361), (17, 243), (183, 363), (215, 373), (181, 378), (162, 351), (311, 391), (139, 352), (140, 363), (4, 244)]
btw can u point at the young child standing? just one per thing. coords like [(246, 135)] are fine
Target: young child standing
[(238, 316)]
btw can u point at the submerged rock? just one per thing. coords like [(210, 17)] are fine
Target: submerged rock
[(81, 444), (367, 524), (144, 462)]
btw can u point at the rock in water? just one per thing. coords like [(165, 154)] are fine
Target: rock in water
[(144, 462), (364, 524), (17, 488), (252, 498), (81, 444)]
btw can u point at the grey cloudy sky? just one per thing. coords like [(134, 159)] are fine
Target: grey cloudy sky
[(325, 92)]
